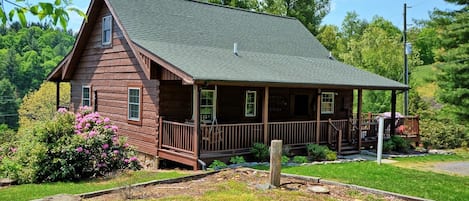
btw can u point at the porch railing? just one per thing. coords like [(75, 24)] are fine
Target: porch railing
[(293, 133), (177, 136), (226, 137)]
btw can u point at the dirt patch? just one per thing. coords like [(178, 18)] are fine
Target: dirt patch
[(241, 184)]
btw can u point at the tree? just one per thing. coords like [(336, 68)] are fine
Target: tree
[(454, 58), (40, 105), (329, 36), (245, 4), (8, 103), (57, 12), (308, 12)]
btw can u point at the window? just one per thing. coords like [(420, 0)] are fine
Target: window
[(134, 104), (106, 30), (207, 104), (85, 96), (250, 107), (327, 103)]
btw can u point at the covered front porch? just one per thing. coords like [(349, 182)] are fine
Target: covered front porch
[(210, 121)]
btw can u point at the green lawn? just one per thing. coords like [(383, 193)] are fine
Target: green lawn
[(387, 177), (34, 191)]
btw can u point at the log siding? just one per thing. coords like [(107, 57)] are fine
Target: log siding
[(110, 70)]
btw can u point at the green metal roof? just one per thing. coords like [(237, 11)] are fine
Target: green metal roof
[(198, 39)]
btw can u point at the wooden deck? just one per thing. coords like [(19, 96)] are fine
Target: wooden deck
[(178, 142)]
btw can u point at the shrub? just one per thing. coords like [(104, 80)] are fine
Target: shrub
[(316, 152), (237, 160), (260, 151), (443, 134), (388, 146), (216, 164), (300, 159), (71, 147), (400, 144), (285, 159), (331, 155)]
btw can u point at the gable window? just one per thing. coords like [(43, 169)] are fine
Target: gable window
[(207, 105), (133, 104), (86, 96), (106, 32), (250, 106), (327, 103)]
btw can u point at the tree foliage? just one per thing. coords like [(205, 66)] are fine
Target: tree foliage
[(54, 13), (40, 105), (27, 56), (454, 58)]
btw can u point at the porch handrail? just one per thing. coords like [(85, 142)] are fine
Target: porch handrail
[(339, 136)]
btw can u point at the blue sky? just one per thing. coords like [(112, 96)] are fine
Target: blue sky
[(391, 10)]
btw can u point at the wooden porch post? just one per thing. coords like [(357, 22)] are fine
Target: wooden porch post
[(196, 107), (57, 94), (359, 119), (393, 113), (265, 115), (318, 116)]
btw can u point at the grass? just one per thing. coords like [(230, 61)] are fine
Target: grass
[(34, 191), (424, 80), (387, 177)]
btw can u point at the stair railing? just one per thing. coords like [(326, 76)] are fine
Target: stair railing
[(333, 130)]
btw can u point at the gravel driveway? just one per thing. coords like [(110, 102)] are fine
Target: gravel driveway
[(460, 168)]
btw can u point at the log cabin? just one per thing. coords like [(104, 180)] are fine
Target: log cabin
[(190, 81)]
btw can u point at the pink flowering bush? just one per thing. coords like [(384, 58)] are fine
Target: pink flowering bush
[(73, 147)]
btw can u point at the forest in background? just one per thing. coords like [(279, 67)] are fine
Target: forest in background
[(27, 56), (438, 63)]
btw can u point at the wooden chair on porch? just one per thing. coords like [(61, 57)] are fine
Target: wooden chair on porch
[(214, 137)]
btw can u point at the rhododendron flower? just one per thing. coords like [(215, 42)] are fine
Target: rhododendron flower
[(133, 158), (126, 160), (116, 152), (62, 110), (13, 149), (87, 151), (114, 128), (105, 146), (104, 155), (79, 149), (92, 134), (106, 120)]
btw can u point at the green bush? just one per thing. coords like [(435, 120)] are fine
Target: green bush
[(331, 155), (260, 151), (388, 146), (69, 147), (300, 159), (316, 152), (443, 134), (401, 145), (237, 160), (285, 159), (216, 164)]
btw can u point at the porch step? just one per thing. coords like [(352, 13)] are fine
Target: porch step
[(350, 152)]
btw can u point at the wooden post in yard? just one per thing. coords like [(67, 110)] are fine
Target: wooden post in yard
[(359, 118), (195, 139), (275, 162), (57, 95)]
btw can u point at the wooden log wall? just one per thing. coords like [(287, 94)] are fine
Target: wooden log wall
[(110, 70)]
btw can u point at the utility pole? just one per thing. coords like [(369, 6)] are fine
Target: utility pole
[(406, 69)]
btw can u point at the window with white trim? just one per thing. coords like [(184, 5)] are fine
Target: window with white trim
[(106, 33), (250, 106), (327, 103), (207, 104), (134, 104), (86, 96)]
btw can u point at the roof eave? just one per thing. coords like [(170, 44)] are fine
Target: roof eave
[(295, 85)]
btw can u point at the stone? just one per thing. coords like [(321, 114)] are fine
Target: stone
[(319, 189), (61, 197), (264, 187), (6, 182)]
